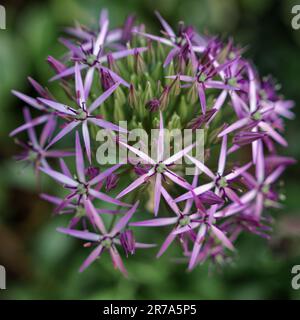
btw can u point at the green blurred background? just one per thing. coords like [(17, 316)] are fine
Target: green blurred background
[(42, 264)]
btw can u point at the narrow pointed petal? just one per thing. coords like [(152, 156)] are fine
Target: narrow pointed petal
[(173, 52), (103, 175), (68, 72), (189, 227), (31, 131), (58, 154), (103, 18), (29, 100), (260, 162), (106, 198), (170, 201), (202, 167), (160, 141), (65, 203), (67, 129), (236, 125), (249, 196), (165, 25), (156, 38), (122, 54), (101, 37), (56, 106), (222, 237), (179, 154), (170, 238), (218, 104), (276, 160), (117, 261), (91, 258), (50, 198), (197, 191), (157, 193), (223, 156), (199, 48), (64, 168), (254, 149), (108, 211), (194, 59), (202, 98), (88, 82), (274, 175), (138, 152), (48, 130), (182, 78), (56, 65), (135, 184), (252, 90), (106, 125), (79, 159), (74, 49), (221, 67), (84, 235), (158, 222), (140, 245), (197, 246), (211, 84), (282, 108), (177, 179), (272, 133), (103, 97), (115, 77), (238, 104), (87, 140), (121, 224), (249, 179), (232, 195), (59, 177), (74, 222), (80, 95), (30, 124), (230, 210), (259, 204), (94, 216), (238, 171), (189, 202)]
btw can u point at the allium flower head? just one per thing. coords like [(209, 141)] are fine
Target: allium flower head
[(121, 81)]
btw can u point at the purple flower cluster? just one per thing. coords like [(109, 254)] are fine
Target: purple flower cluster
[(179, 79)]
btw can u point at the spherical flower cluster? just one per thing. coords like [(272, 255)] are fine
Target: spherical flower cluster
[(177, 80)]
